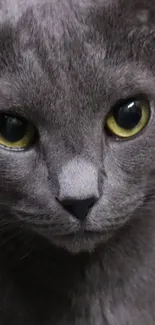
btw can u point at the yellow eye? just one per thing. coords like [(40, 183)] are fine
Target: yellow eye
[(15, 132), (128, 119)]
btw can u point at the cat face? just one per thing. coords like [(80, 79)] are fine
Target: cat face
[(82, 74)]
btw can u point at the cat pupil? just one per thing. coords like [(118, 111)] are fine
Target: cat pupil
[(128, 116), (12, 129)]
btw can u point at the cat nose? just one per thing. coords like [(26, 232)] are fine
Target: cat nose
[(79, 208), (78, 187)]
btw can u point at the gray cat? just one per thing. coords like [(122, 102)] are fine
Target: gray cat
[(77, 162)]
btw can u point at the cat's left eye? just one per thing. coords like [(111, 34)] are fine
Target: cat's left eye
[(128, 119), (15, 132)]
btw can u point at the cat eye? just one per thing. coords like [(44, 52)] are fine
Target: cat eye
[(128, 119), (15, 132)]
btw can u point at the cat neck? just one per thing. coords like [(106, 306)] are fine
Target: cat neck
[(58, 270)]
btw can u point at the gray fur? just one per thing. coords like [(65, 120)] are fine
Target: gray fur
[(63, 65)]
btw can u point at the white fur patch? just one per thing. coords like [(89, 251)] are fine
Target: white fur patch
[(78, 180)]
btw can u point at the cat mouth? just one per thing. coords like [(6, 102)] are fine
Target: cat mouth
[(84, 234), (80, 241)]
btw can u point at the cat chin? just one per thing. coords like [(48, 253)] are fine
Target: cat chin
[(76, 245)]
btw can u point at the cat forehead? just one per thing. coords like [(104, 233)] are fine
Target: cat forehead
[(13, 10), (75, 17), (69, 42)]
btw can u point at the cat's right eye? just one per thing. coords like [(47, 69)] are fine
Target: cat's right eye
[(129, 118), (16, 132)]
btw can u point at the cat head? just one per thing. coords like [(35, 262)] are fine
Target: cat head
[(76, 117)]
